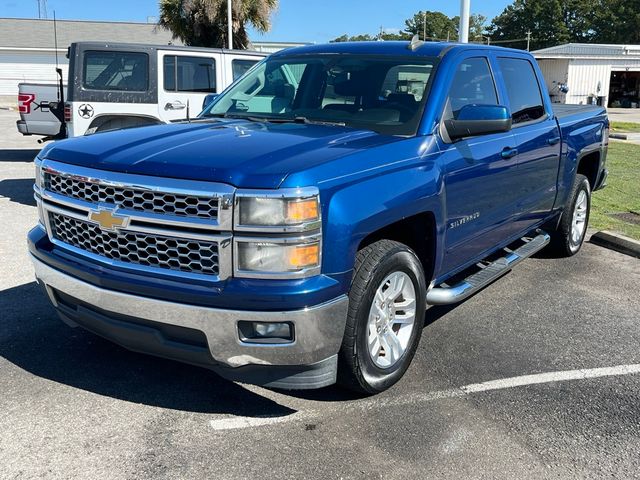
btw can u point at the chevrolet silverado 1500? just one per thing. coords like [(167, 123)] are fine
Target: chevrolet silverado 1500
[(295, 233)]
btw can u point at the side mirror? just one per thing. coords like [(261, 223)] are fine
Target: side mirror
[(474, 120), (208, 100)]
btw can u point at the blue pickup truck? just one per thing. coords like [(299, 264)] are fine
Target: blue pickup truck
[(295, 233)]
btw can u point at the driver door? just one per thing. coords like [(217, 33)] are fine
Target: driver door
[(478, 172)]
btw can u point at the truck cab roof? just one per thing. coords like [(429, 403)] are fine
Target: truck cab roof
[(397, 48)]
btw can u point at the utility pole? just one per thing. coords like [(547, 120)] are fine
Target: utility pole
[(230, 23), (528, 39), (424, 26), (465, 8)]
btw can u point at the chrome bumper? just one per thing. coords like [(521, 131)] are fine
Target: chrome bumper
[(318, 330)]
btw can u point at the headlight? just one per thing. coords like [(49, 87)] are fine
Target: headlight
[(288, 210), (278, 258)]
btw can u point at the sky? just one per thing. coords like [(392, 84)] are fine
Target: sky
[(295, 21)]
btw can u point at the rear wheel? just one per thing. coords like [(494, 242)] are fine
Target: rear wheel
[(385, 320), (569, 235)]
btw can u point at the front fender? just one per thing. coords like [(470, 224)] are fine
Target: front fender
[(382, 186)]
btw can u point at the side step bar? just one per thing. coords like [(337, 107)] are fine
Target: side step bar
[(445, 295)]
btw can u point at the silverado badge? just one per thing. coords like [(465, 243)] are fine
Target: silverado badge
[(107, 220)]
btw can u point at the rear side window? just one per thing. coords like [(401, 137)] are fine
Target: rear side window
[(472, 85), (121, 71), (523, 89), (189, 74), (240, 67)]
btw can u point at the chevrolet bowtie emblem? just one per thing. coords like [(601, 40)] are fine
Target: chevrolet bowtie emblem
[(107, 220)]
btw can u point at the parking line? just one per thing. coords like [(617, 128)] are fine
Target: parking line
[(551, 377), (236, 422), (239, 422)]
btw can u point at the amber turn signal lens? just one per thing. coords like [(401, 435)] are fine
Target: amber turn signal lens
[(303, 210), (305, 256)]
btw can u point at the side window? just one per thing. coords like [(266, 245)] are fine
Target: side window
[(472, 84), (122, 71), (240, 67), (523, 89), (189, 74)]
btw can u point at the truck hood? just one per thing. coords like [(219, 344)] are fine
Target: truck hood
[(241, 153)]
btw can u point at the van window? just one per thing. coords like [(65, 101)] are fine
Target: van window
[(472, 84), (523, 89), (240, 67), (123, 71), (189, 74)]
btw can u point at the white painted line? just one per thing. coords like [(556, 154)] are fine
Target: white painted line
[(550, 377), (236, 422), (239, 422)]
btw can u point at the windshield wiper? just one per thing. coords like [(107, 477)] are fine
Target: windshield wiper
[(261, 118)]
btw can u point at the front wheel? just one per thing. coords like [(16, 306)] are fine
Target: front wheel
[(568, 237), (386, 314)]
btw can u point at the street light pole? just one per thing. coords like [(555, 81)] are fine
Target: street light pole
[(230, 23), (465, 8)]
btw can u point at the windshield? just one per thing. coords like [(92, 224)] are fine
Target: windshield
[(380, 93)]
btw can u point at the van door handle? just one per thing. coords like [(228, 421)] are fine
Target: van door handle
[(553, 141), (509, 152), (177, 105)]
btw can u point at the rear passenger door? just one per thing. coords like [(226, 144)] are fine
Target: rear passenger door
[(479, 196), (185, 79), (538, 142)]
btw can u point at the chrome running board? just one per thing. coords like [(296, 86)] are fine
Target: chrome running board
[(444, 294)]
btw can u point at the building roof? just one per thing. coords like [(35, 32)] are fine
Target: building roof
[(38, 33), (571, 50)]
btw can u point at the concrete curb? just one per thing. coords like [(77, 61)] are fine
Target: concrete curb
[(617, 242), (618, 136)]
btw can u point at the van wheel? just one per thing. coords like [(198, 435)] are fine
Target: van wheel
[(568, 237), (387, 304)]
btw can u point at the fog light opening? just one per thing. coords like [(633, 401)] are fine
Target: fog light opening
[(265, 332)]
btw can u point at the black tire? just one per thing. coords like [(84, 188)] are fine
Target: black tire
[(357, 371), (562, 242)]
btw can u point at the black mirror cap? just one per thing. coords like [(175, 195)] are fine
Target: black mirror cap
[(475, 120), (208, 100)]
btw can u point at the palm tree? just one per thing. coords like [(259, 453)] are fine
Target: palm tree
[(203, 23)]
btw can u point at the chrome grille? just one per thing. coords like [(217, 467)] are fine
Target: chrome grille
[(185, 255), (141, 200)]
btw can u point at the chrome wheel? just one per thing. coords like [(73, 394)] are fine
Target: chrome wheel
[(579, 222), (391, 319)]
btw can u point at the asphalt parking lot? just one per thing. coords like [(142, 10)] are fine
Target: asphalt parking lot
[(558, 340)]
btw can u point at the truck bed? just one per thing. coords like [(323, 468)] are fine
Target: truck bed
[(563, 112)]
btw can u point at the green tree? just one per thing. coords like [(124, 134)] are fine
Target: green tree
[(436, 25), (615, 21), (203, 23), (543, 18)]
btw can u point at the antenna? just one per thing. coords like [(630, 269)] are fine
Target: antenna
[(42, 9), (55, 38), (416, 43)]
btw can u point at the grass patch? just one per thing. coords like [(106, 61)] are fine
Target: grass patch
[(625, 127), (622, 193)]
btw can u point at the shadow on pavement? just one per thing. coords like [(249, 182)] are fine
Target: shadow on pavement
[(18, 190), (34, 339), (18, 155)]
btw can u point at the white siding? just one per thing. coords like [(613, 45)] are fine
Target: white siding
[(584, 76), (36, 67), (554, 71)]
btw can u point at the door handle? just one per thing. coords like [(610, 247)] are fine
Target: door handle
[(177, 105), (553, 141), (509, 152)]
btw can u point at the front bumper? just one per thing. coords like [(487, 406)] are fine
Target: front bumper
[(205, 336)]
